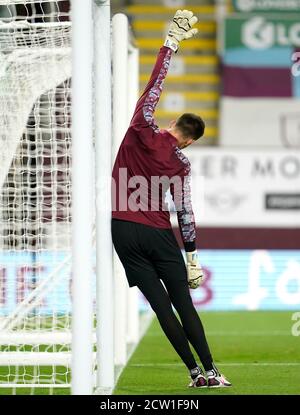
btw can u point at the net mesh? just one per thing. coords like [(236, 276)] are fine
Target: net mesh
[(35, 193)]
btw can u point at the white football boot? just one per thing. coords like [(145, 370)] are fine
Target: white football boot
[(216, 380)]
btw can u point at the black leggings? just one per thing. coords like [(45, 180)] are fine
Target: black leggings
[(150, 255), (191, 329)]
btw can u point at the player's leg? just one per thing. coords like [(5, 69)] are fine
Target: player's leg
[(192, 325), (172, 270), (140, 272), (181, 299), (155, 293)]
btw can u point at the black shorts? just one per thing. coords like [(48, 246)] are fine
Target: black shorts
[(147, 252)]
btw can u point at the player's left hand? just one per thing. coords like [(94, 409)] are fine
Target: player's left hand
[(181, 28), (194, 270)]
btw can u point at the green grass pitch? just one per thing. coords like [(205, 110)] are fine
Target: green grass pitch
[(255, 350)]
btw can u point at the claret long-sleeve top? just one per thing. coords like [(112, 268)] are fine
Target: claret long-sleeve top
[(149, 163)]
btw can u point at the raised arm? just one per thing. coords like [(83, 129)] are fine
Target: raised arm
[(144, 111), (180, 29)]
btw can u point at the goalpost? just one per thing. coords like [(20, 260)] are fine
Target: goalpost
[(56, 313)]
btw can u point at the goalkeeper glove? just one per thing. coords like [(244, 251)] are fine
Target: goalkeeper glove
[(181, 29), (194, 270)]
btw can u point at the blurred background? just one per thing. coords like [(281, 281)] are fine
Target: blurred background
[(241, 74)]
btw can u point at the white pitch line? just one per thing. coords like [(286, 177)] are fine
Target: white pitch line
[(249, 333), (237, 333), (219, 364)]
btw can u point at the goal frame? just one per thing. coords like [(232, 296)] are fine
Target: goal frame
[(96, 133), (119, 332)]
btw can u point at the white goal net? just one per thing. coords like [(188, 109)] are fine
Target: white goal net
[(35, 194), (46, 293)]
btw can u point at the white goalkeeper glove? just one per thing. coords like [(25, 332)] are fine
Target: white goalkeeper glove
[(181, 29), (194, 270)]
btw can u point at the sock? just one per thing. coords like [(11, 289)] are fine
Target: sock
[(195, 372), (213, 371)]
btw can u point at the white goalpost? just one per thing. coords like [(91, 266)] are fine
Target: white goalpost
[(57, 286), (35, 202), (82, 197)]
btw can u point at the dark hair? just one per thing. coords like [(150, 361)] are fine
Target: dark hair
[(191, 126)]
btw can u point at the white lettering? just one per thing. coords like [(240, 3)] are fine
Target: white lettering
[(258, 33), (290, 274), (295, 34), (296, 65), (296, 326), (138, 199), (260, 260)]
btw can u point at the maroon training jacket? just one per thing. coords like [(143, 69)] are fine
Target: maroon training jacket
[(147, 154)]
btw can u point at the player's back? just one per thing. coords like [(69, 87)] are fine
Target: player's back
[(144, 156)]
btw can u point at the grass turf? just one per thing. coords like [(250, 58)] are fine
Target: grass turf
[(255, 350)]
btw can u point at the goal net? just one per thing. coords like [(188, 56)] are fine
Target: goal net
[(40, 305), (35, 194)]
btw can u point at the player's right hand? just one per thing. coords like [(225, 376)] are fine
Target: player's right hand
[(194, 270), (181, 29)]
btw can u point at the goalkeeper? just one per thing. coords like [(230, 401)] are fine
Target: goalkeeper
[(142, 236)]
